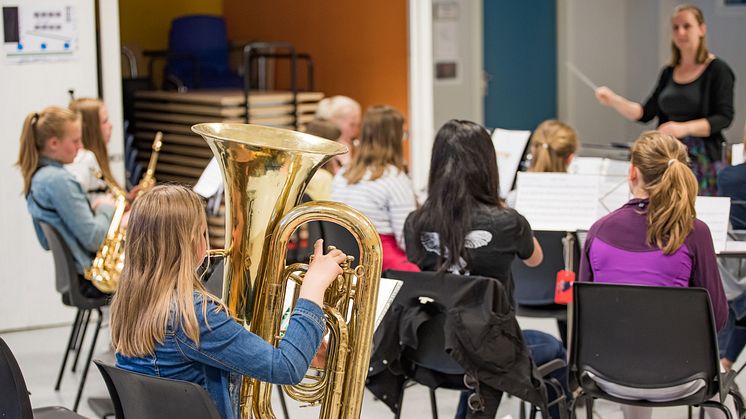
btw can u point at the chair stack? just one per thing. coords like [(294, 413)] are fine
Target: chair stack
[(184, 155)]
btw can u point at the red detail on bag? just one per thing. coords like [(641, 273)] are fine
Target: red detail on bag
[(563, 288)]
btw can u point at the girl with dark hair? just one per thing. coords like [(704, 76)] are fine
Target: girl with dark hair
[(464, 227)]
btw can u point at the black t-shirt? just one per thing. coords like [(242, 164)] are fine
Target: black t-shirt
[(497, 235)]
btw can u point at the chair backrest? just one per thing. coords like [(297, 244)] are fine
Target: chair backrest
[(439, 290), (643, 337), (338, 236), (14, 396), (203, 37), (144, 396), (66, 276), (535, 286)]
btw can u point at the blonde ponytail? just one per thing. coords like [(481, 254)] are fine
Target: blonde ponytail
[(671, 185), (552, 143), (38, 128)]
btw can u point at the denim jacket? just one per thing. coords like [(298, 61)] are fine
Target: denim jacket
[(226, 350), (57, 199)]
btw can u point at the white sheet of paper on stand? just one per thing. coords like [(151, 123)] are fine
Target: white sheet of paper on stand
[(714, 211), (558, 201), (210, 180), (387, 290), (736, 156), (509, 147)]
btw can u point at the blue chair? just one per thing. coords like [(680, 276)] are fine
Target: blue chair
[(198, 54)]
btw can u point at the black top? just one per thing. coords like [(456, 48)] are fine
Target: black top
[(497, 235), (732, 183), (715, 101)]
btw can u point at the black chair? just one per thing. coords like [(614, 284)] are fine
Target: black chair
[(647, 338), (68, 284), (14, 395), (430, 364), (534, 287), (144, 396)]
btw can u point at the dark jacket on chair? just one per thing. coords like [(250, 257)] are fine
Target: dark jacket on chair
[(481, 334)]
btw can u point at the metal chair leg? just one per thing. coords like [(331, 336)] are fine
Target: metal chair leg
[(433, 404), (73, 335), (283, 404), (589, 408), (84, 324), (88, 360)]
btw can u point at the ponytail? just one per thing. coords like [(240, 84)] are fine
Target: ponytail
[(28, 155), (671, 185), (551, 146), (38, 128)]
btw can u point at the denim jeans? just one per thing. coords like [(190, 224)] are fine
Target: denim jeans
[(732, 338), (543, 348)]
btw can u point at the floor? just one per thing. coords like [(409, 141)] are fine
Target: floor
[(39, 355)]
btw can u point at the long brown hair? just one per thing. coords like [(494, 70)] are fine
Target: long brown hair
[(552, 143), (160, 270), (671, 185), (93, 139), (38, 128), (702, 52), (380, 144)]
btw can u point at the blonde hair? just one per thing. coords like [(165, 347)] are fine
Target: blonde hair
[(160, 270), (380, 144), (671, 185), (551, 144), (702, 52), (38, 128), (93, 139)]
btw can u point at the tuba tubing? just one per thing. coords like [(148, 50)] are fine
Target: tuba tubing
[(344, 398)]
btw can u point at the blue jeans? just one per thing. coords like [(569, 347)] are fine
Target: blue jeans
[(543, 348), (732, 338)]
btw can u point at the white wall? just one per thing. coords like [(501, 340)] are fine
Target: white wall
[(28, 297), (624, 45), (461, 98)]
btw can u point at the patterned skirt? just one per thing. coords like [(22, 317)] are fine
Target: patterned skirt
[(703, 164)]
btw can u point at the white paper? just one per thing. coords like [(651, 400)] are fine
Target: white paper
[(734, 246), (613, 187), (387, 290), (210, 180), (736, 156), (558, 201), (714, 211), (509, 147)]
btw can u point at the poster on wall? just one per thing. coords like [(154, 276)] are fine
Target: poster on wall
[(45, 31), (446, 42)]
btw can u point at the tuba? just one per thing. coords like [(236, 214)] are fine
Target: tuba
[(108, 263), (265, 171)]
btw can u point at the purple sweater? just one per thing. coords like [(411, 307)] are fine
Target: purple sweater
[(615, 252)]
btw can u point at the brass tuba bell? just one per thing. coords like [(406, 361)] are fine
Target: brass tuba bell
[(265, 171)]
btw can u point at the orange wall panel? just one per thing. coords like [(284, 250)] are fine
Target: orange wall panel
[(359, 48)]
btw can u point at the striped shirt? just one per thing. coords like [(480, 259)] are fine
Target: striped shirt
[(386, 201)]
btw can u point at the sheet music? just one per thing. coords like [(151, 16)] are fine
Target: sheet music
[(734, 246), (586, 166), (558, 201), (387, 290), (509, 147), (210, 180), (714, 211), (613, 187), (736, 156)]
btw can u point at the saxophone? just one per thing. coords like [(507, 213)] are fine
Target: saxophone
[(107, 266)]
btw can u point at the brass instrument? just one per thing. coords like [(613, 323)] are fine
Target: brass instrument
[(107, 266), (265, 171), (148, 179)]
